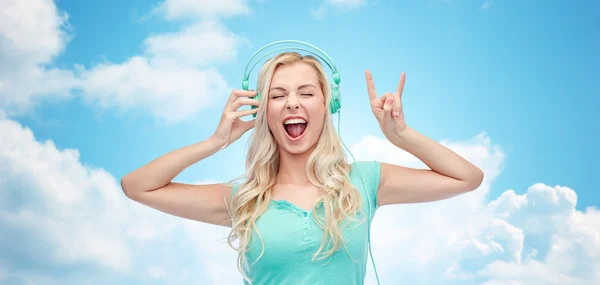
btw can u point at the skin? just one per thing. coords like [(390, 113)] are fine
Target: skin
[(449, 174), (295, 91)]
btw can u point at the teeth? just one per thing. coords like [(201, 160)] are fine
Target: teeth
[(294, 121)]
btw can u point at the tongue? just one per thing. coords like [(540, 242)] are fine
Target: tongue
[(295, 130)]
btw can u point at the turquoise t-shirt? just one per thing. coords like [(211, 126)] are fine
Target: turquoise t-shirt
[(291, 238)]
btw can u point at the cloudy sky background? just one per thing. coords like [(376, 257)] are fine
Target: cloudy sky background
[(90, 90)]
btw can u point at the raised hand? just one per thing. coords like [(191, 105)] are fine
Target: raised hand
[(231, 127), (387, 108)]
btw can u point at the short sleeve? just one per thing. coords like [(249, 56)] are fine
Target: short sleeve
[(234, 188), (368, 172)]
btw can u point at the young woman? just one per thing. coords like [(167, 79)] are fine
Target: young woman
[(301, 214)]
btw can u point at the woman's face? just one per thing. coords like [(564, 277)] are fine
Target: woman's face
[(295, 108)]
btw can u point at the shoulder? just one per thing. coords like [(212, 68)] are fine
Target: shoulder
[(366, 175), (234, 187), (369, 170)]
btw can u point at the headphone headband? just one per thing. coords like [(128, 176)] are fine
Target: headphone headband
[(323, 56), (328, 61)]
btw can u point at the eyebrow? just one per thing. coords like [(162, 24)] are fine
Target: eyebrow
[(300, 87)]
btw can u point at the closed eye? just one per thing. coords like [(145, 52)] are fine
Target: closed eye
[(279, 96)]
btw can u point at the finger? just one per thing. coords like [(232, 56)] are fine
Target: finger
[(243, 113), (236, 93), (370, 86), (246, 93), (388, 106), (398, 96), (237, 103), (247, 125), (383, 98), (400, 89), (392, 97)]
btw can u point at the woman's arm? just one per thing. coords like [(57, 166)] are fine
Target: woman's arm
[(151, 184), (449, 174), (161, 171)]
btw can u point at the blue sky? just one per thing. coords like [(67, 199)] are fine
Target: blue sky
[(508, 84)]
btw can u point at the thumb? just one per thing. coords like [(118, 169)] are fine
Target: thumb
[(249, 125)]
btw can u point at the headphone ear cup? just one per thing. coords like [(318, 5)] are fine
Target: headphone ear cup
[(257, 98), (336, 100)]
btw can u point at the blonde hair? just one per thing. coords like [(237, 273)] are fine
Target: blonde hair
[(326, 168)]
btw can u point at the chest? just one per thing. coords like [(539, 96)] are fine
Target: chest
[(290, 236), (303, 198)]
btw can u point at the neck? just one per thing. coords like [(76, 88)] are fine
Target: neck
[(291, 168)]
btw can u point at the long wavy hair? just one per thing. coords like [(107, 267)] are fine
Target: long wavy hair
[(326, 168)]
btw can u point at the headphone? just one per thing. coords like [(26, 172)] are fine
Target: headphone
[(335, 105)]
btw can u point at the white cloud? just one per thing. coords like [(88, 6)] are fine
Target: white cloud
[(32, 34), (57, 214), (200, 44), (538, 236), (77, 214), (177, 9), (529, 273), (31, 31), (171, 94), (174, 78), (345, 4), (47, 195), (156, 272), (319, 12), (479, 150), (486, 5), (3, 273), (338, 6)]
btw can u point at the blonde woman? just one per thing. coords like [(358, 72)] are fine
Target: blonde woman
[(300, 215)]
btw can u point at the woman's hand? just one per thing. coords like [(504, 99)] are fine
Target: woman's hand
[(388, 108), (231, 127)]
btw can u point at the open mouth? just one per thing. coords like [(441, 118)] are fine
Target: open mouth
[(295, 127)]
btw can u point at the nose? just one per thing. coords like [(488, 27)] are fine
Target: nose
[(292, 102)]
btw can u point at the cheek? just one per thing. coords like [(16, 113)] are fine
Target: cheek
[(272, 117), (317, 115), (318, 108)]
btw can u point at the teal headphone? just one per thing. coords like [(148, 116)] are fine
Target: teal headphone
[(335, 105)]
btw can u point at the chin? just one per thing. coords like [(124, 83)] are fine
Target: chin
[(297, 149)]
